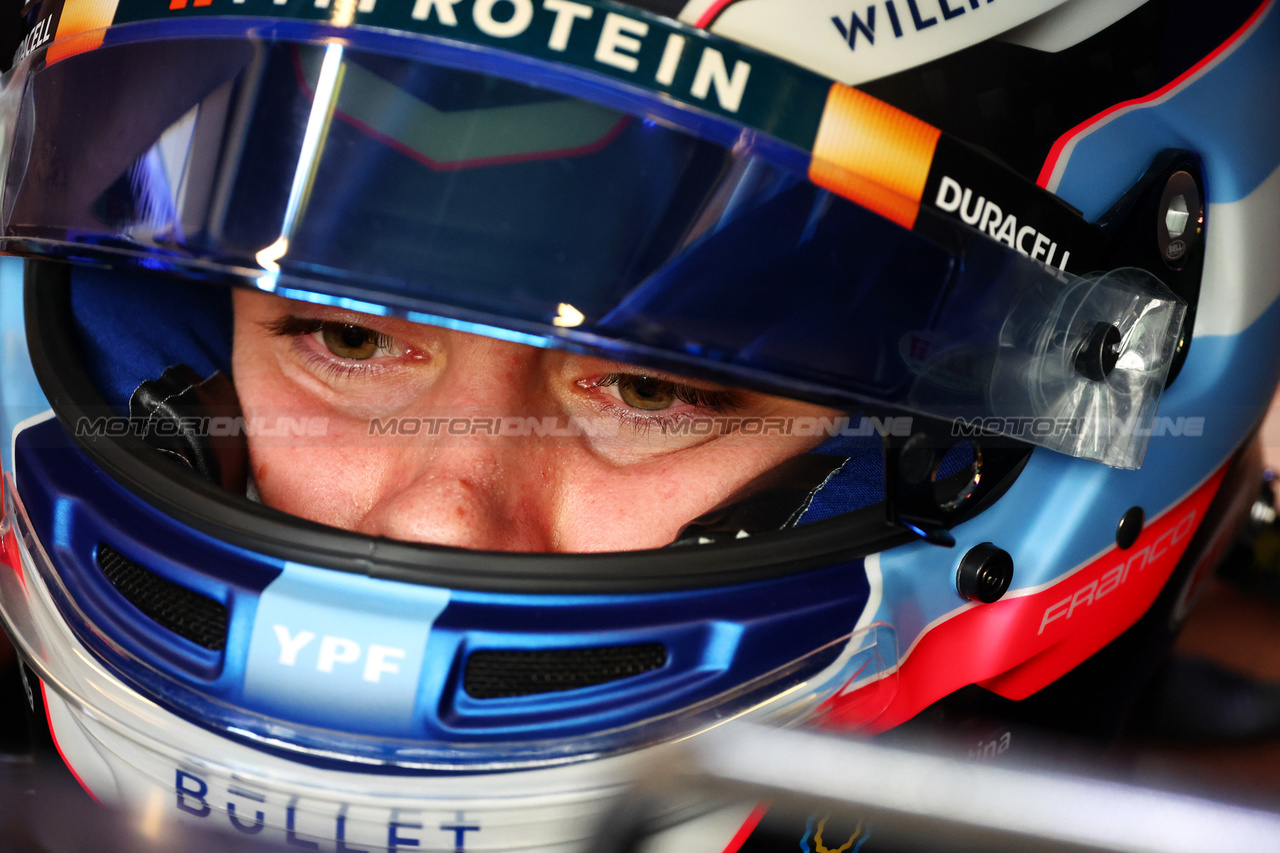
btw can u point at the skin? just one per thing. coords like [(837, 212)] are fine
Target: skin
[(632, 485)]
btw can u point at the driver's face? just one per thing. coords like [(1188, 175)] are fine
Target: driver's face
[(629, 481)]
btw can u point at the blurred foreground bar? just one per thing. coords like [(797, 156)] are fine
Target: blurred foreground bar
[(918, 801)]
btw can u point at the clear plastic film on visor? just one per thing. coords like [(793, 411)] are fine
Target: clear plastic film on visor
[(569, 214)]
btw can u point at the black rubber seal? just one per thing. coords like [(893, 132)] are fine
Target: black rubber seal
[(197, 503)]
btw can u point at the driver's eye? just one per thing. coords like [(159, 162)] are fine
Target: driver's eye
[(651, 394), (354, 342), (645, 392)]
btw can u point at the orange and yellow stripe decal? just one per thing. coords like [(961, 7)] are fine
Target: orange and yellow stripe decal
[(873, 154), (81, 27)]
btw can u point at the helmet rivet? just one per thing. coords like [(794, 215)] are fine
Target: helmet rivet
[(1129, 527), (1099, 352), (985, 573)]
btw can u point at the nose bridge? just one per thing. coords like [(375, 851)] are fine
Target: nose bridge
[(490, 376), (481, 472), (489, 409), (478, 490)]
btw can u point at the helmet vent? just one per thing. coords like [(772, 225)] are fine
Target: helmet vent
[(187, 613), (499, 674)]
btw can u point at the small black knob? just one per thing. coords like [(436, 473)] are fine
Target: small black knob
[(1129, 527), (1099, 351), (985, 573)]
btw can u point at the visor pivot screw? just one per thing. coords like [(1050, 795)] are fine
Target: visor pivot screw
[(985, 573), (1129, 527), (1099, 351), (1180, 219)]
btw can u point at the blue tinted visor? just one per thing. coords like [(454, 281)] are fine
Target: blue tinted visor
[(460, 187)]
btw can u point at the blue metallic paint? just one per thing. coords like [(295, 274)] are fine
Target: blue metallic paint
[(1062, 512), (717, 639)]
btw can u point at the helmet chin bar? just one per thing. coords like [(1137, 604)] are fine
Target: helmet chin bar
[(50, 607)]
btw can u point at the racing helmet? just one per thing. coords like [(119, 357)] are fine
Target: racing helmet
[(1012, 260)]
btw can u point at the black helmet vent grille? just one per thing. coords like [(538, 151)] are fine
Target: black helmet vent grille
[(185, 612), (498, 674)]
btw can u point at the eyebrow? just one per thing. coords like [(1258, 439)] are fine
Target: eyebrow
[(305, 322), (291, 326)]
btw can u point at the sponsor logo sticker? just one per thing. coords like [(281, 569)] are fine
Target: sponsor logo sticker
[(330, 647)]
